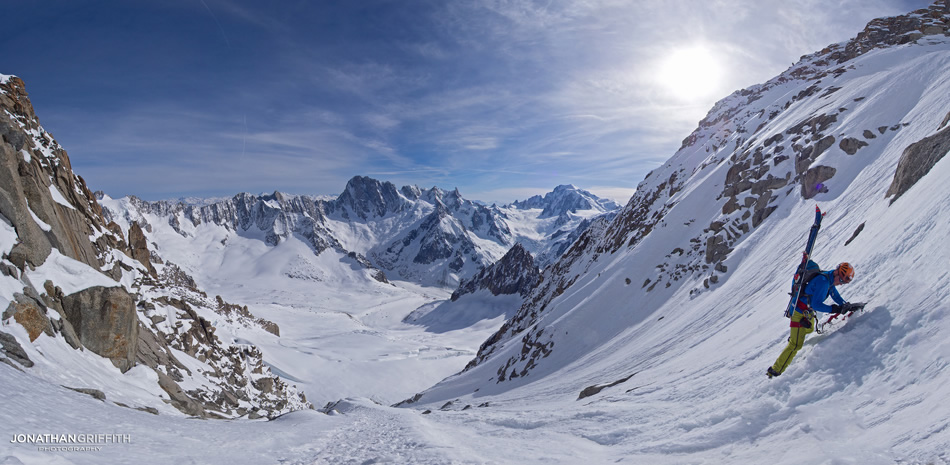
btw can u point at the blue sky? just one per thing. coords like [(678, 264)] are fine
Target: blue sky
[(500, 98)]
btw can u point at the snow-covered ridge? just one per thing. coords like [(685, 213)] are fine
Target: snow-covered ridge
[(88, 305)]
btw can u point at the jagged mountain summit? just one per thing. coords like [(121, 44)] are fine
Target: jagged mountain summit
[(515, 273), (564, 199), (685, 286), (428, 236), (91, 307)]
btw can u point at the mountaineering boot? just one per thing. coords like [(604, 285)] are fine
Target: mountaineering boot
[(772, 373)]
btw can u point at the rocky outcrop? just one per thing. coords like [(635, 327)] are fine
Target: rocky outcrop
[(515, 273), (241, 312), (11, 349), (138, 245), (33, 246), (850, 145), (30, 314), (178, 398), (105, 320), (917, 160), (897, 30), (48, 205), (814, 178), (95, 393)]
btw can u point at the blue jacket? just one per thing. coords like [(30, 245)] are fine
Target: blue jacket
[(817, 290)]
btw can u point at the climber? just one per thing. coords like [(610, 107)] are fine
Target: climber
[(819, 287)]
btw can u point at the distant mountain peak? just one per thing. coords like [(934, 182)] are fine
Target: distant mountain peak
[(566, 198), (368, 197)]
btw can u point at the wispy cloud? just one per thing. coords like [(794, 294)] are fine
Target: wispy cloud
[(483, 95)]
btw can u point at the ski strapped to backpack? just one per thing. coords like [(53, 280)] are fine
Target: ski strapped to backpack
[(803, 269)]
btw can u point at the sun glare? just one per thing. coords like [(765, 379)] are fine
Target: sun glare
[(690, 73)]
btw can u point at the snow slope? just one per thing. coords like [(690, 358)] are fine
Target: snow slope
[(695, 349)]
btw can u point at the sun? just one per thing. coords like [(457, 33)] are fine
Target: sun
[(690, 73)]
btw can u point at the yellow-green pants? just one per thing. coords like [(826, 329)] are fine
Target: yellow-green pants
[(795, 341)]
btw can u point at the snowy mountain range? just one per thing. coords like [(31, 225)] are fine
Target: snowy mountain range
[(428, 236), (645, 341)]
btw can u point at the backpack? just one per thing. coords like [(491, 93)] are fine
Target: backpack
[(811, 270)]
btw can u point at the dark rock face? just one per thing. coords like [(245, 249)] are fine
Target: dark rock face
[(231, 310), (30, 168), (515, 273), (436, 243), (139, 247), (105, 319), (813, 177), (918, 159), (11, 135), (367, 198), (34, 246), (850, 145), (9, 347)]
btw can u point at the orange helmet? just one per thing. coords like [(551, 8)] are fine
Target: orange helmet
[(845, 272)]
